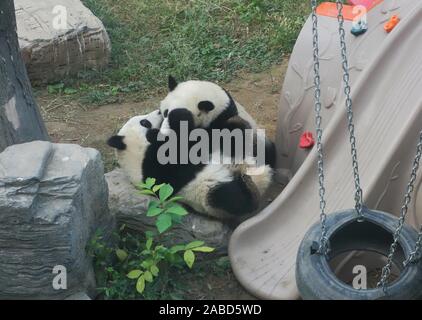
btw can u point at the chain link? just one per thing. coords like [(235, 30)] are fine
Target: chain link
[(415, 255), (386, 270), (323, 243), (351, 126)]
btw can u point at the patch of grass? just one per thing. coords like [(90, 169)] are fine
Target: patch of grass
[(203, 39)]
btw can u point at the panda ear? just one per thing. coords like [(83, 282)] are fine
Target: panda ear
[(172, 83), (117, 142), (206, 106)]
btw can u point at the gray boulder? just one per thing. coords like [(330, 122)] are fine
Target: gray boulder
[(52, 198), (129, 208), (60, 37)]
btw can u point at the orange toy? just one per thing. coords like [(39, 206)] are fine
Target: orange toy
[(391, 24)]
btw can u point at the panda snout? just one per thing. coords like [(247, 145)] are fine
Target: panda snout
[(165, 127), (165, 131)]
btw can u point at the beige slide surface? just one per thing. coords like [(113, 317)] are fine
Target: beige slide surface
[(387, 100)]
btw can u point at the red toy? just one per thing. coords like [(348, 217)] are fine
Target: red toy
[(306, 140)]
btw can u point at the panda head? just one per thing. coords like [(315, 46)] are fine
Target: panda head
[(132, 141), (204, 100)]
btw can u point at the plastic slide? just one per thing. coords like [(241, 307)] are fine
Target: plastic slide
[(386, 75)]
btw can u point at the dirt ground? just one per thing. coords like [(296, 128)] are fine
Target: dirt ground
[(90, 126)]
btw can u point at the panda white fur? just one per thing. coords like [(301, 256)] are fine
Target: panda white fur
[(218, 190), (207, 105)]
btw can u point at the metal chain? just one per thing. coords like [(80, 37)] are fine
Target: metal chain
[(323, 243), (351, 126), (386, 270), (358, 190), (318, 119), (415, 255)]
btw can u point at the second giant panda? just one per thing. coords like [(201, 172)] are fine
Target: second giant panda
[(206, 105), (223, 191)]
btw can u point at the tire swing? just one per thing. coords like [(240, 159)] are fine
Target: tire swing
[(359, 229)]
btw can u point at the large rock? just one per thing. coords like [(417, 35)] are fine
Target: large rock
[(60, 37), (52, 198), (129, 207)]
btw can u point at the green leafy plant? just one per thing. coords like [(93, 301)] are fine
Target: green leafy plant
[(142, 265), (165, 208), (55, 88), (60, 88)]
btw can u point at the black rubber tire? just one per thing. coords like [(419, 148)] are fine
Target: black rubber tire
[(316, 280)]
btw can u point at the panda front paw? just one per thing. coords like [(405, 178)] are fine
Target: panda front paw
[(179, 117)]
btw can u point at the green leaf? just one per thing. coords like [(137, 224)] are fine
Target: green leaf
[(149, 234), (177, 210), (154, 270), (148, 276), (70, 91), (149, 182), (114, 90), (55, 88), (109, 269), (121, 254), (161, 249), (163, 222), (177, 248), (194, 244), (134, 274), (140, 284), (177, 198), (141, 186), (145, 252), (152, 212), (147, 192), (189, 258), (148, 243), (146, 264), (153, 204), (157, 187), (165, 192), (203, 249)]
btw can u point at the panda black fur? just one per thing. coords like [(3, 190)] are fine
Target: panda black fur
[(208, 106), (218, 190)]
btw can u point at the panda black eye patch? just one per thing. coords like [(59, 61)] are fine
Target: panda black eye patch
[(145, 123), (165, 114), (206, 106)]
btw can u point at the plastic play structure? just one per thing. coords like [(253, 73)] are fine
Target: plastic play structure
[(385, 64)]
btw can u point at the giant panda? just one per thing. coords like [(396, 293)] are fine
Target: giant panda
[(223, 191), (206, 105)]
